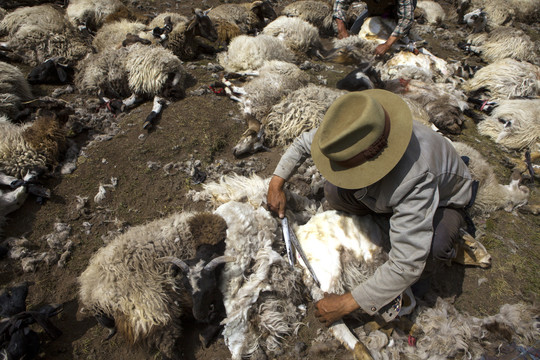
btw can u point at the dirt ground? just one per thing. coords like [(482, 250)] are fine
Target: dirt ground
[(205, 127)]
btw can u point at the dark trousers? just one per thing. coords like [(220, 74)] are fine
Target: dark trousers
[(446, 221)]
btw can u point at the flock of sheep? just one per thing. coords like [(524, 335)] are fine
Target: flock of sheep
[(226, 266)]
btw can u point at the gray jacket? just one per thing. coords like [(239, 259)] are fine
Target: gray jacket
[(429, 175)]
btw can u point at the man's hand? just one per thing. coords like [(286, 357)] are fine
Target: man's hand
[(381, 49), (276, 198), (333, 307), (342, 29)]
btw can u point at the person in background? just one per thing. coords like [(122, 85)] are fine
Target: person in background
[(401, 10)]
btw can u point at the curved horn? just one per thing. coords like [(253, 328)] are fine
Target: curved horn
[(217, 261), (176, 261)]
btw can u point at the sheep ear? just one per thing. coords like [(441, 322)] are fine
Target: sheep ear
[(256, 4)]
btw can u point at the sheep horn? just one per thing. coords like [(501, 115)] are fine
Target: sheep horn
[(176, 261), (218, 261)]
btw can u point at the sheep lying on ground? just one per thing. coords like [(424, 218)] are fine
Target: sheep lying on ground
[(506, 12), (14, 199), (111, 35), (301, 110), (432, 12), (248, 53), (36, 146), (130, 285), (93, 14), (38, 33), (514, 124), (137, 70), (501, 43), (14, 89), (317, 13), (248, 17), (506, 79), (443, 102), (183, 39), (299, 35), (491, 194)]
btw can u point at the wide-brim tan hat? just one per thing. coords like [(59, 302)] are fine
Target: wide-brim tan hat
[(362, 137)]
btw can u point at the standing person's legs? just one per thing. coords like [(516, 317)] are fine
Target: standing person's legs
[(344, 200)]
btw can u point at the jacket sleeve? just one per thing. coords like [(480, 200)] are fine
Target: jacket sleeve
[(340, 9), (295, 155), (411, 233), (405, 17)]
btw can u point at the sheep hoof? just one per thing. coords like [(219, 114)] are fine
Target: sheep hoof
[(471, 252), (361, 352)]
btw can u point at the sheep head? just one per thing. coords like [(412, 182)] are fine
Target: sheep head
[(201, 25), (201, 280), (472, 252), (51, 71), (518, 194), (252, 139), (263, 10)]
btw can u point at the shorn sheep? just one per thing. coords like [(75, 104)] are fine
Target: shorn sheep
[(506, 79), (248, 53), (130, 285), (137, 71), (514, 124), (431, 11), (14, 90), (37, 33), (357, 245)]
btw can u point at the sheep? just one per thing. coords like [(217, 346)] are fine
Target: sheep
[(491, 194), (129, 285), (38, 33), (14, 199), (91, 15), (362, 78), (317, 13), (358, 244), (504, 13), (183, 39), (249, 17), (503, 42), (299, 35), (14, 90), (431, 11), (52, 71), (112, 34), (301, 110), (136, 70), (36, 146), (514, 124), (248, 53), (506, 79), (443, 103), (477, 20)]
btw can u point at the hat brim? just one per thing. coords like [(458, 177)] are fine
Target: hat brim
[(375, 169)]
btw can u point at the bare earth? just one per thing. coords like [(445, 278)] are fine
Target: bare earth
[(205, 127)]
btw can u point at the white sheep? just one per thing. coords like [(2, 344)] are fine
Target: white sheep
[(506, 79), (501, 13), (93, 14), (112, 34), (432, 11), (38, 33), (130, 285), (503, 42), (317, 13), (491, 194), (514, 124), (137, 71), (248, 53), (299, 111), (299, 35), (11, 200), (14, 89)]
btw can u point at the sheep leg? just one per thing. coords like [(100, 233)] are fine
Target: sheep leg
[(342, 333), (130, 101), (12, 200), (7, 180), (156, 110)]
